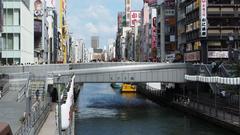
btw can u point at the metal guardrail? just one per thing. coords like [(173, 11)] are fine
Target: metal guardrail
[(214, 87), (37, 116), (24, 89), (211, 108)]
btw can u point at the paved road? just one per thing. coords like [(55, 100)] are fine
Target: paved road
[(11, 111)]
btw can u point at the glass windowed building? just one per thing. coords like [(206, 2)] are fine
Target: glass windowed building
[(17, 33)]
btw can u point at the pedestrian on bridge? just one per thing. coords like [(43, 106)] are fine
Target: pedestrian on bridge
[(37, 94)]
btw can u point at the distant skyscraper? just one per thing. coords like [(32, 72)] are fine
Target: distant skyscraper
[(95, 42)]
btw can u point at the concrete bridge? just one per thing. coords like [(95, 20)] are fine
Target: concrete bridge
[(151, 72), (107, 72)]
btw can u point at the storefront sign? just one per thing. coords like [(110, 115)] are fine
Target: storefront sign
[(203, 18), (192, 56), (170, 57), (217, 54)]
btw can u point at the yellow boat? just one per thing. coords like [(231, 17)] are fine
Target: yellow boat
[(128, 88)]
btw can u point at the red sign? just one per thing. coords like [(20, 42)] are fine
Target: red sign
[(135, 18), (151, 2)]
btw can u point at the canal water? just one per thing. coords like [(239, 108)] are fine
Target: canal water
[(105, 111)]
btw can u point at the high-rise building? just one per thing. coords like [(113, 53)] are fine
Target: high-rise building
[(211, 29), (166, 30), (17, 32), (95, 42)]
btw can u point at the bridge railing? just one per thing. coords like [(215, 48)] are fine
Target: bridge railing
[(4, 85), (210, 107)]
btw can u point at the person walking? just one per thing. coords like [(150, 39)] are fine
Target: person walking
[(37, 94)]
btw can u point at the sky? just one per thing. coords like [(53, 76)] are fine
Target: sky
[(88, 18)]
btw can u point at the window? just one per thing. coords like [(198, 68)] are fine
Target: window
[(11, 41), (16, 17), (11, 16)]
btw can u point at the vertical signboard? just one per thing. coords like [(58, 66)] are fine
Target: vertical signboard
[(1, 15), (154, 27), (203, 18), (128, 11), (135, 19), (119, 20)]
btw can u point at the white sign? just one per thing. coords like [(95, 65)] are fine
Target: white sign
[(170, 57), (203, 18), (217, 54)]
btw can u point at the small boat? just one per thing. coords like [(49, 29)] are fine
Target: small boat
[(128, 88), (115, 85)]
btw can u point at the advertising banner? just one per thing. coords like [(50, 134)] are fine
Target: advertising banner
[(135, 19), (151, 2), (192, 56), (217, 54), (38, 8), (203, 18)]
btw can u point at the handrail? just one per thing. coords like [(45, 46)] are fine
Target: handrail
[(213, 86), (24, 89), (223, 70)]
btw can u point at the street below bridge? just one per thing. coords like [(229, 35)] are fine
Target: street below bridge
[(105, 111)]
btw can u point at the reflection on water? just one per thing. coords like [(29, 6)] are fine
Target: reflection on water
[(106, 111)]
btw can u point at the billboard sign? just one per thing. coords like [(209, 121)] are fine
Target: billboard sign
[(38, 8), (218, 54), (135, 19), (192, 56), (203, 18), (151, 2)]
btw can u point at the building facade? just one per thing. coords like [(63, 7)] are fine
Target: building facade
[(17, 34), (211, 30), (95, 42)]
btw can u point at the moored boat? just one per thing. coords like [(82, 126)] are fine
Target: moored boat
[(115, 85), (128, 88)]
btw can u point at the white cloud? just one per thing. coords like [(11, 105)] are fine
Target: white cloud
[(96, 18), (91, 28)]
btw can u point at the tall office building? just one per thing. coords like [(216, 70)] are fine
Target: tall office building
[(95, 42), (17, 32)]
